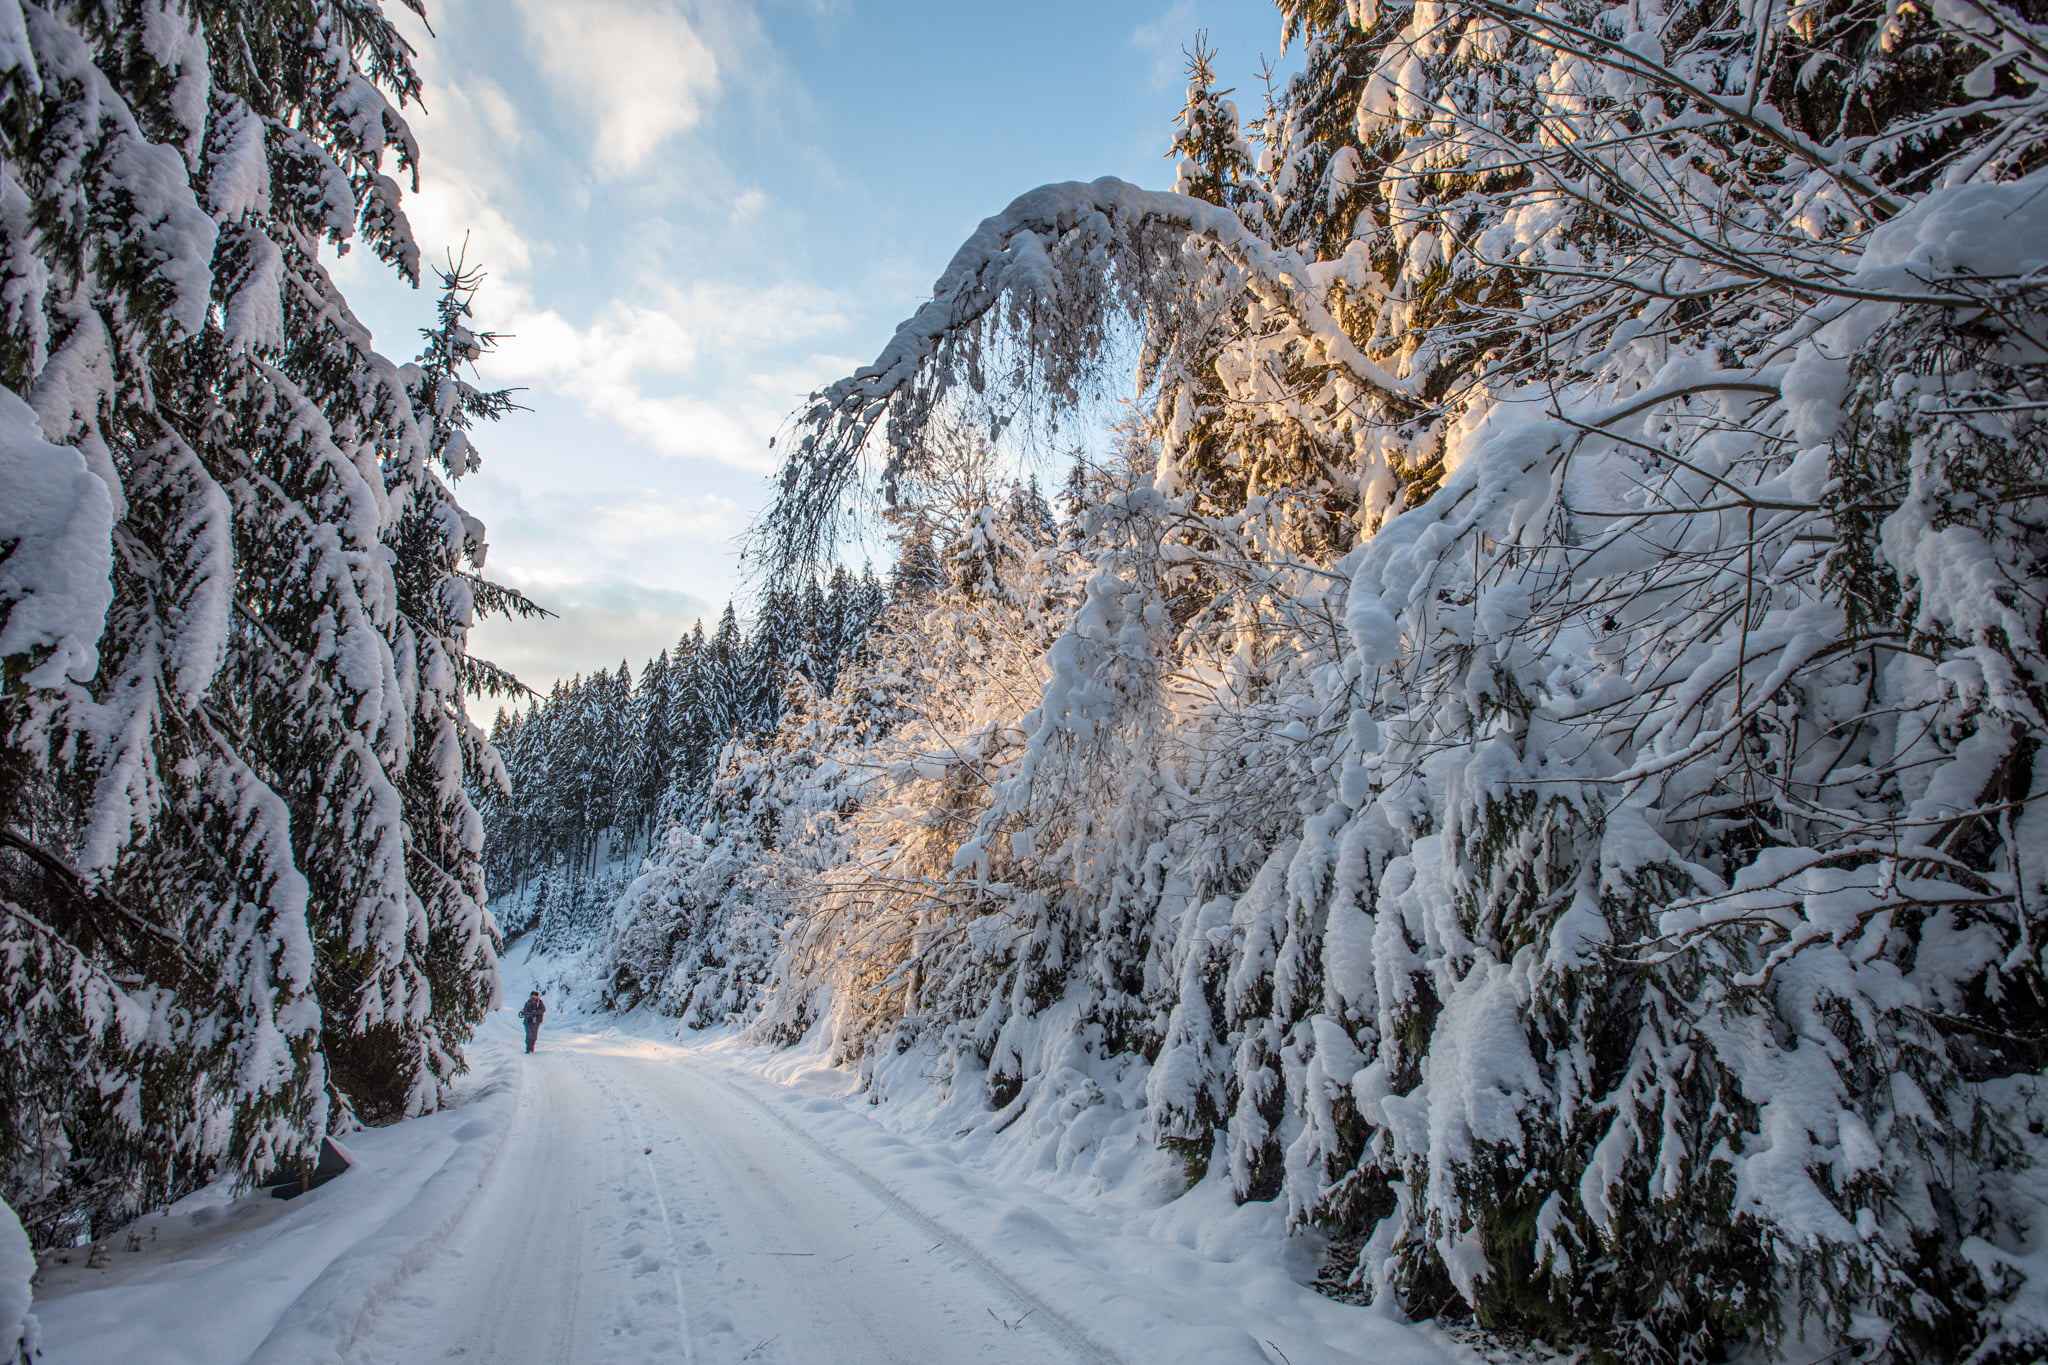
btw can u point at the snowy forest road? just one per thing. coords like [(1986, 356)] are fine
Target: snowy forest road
[(616, 1199), (644, 1209)]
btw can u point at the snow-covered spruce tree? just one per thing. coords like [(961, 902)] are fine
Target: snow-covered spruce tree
[(1598, 514), (774, 653), (103, 1084), (203, 762), (690, 721), (724, 679), (652, 748), (397, 1067), (516, 828)]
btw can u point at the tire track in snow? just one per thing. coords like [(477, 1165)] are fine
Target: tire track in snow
[(505, 1276), (544, 1273), (1055, 1323), (668, 1232), (526, 1131)]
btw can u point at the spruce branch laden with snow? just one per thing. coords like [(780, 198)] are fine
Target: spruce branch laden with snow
[(240, 874)]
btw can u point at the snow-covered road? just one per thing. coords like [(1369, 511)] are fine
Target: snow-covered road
[(644, 1209), (617, 1198)]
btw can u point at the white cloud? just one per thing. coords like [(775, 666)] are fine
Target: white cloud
[(629, 362), (652, 518), (596, 625), (642, 72), (614, 529), (458, 198), (625, 569), (709, 369)]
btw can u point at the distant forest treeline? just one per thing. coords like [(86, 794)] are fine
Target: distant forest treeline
[(601, 764)]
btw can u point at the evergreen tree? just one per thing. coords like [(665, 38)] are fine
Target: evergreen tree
[(695, 728), (1075, 494), (1216, 161), (817, 658), (835, 628), (226, 770), (917, 572), (725, 694), (397, 1065), (613, 704), (774, 651), (1029, 514), (652, 746)]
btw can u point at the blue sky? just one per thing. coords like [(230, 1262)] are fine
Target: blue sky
[(695, 211)]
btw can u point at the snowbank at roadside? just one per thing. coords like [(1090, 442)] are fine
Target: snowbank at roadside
[(19, 1330), (225, 1276)]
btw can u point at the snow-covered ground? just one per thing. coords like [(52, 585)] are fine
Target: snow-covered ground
[(621, 1197)]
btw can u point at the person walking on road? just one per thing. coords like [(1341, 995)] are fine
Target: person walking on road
[(533, 1011)]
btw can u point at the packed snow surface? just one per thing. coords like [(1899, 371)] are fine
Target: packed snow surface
[(622, 1198)]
